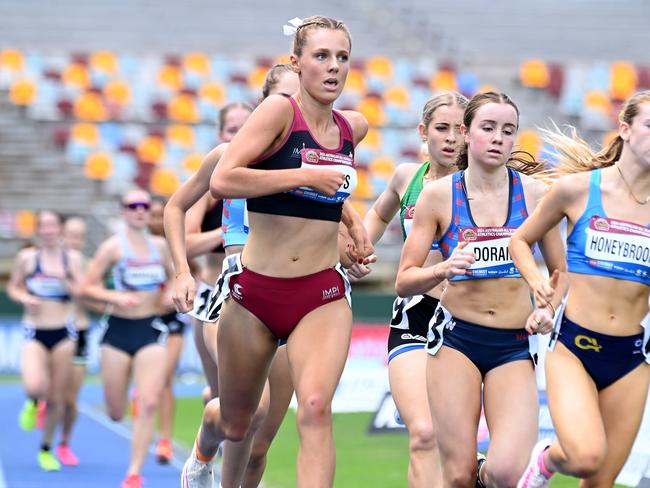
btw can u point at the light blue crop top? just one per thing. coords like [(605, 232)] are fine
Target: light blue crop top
[(608, 247), (132, 273)]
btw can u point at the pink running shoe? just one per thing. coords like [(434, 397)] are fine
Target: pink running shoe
[(132, 481), (536, 475), (41, 414), (66, 456)]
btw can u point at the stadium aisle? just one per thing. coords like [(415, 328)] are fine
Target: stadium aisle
[(101, 445)]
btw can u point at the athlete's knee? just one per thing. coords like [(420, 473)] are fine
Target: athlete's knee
[(457, 477), (421, 437), (115, 413), (257, 459), (314, 409), (586, 460), (504, 475), (148, 404)]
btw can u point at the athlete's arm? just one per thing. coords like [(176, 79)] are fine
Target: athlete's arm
[(180, 202), (412, 277), (386, 205), (263, 131), (199, 242), (542, 226), (92, 283), (16, 285)]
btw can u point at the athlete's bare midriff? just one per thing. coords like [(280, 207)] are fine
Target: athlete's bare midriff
[(503, 303), (149, 306), (615, 307), (288, 247), (50, 314)]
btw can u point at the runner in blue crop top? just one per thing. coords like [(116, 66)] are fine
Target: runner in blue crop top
[(134, 337), (597, 374), (439, 129), (478, 340), (43, 280)]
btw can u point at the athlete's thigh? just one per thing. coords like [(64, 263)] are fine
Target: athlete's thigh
[(61, 361), (281, 389), (210, 332), (573, 401), (115, 373), (622, 406), (245, 348), (407, 374), (512, 413), (454, 390), (207, 361), (149, 367), (318, 347), (174, 347)]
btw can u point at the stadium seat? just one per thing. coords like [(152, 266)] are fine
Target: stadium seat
[(556, 79), (382, 166), (182, 108), (164, 182), (170, 77), (98, 166), (529, 140), (192, 162), (151, 150), (76, 75), (197, 63), (397, 96), (444, 80), (104, 62), (380, 67), (180, 135), (534, 73), (622, 81), (467, 83), (90, 106), (25, 224), (356, 82), (371, 108), (84, 133), (372, 141), (117, 92), (23, 91)]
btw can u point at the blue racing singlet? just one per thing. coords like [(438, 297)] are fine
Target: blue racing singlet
[(234, 223), (132, 273), (608, 247), (489, 244)]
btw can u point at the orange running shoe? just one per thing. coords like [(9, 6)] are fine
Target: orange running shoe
[(164, 451), (132, 481)]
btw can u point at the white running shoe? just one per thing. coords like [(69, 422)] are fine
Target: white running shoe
[(533, 476), (197, 474)]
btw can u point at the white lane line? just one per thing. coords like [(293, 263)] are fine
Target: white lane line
[(120, 429)]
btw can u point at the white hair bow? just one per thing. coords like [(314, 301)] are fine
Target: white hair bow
[(290, 30)]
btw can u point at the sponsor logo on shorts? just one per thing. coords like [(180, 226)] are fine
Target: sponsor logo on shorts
[(586, 342), (410, 337), (450, 325), (296, 152), (331, 293), (237, 291)]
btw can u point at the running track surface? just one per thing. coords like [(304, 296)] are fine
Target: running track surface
[(103, 448)]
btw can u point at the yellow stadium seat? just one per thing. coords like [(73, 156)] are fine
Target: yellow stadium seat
[(181, 135), (182, 108), (529, 141), (488, 88), (104, 62), (372, 140), (213, 92), (256, 77), (26, 222), (356, 82), (598, 100), (444, 80), (90, 106), (170, 77), (622, 80), (364, 188), (382, 166), (98, 166), (283, 59), (609, 137), (398, 96), (117, 92), (380, 66), (164, 182), (192, 162), (151, 150), (12, 60), (85, 133), (77, 75), (22, 92), (371, 108), (534, 74), (197, 63)]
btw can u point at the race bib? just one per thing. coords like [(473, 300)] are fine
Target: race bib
[(490, 247), (47, 286), (618, 245), (319, 159), (141, 275)]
